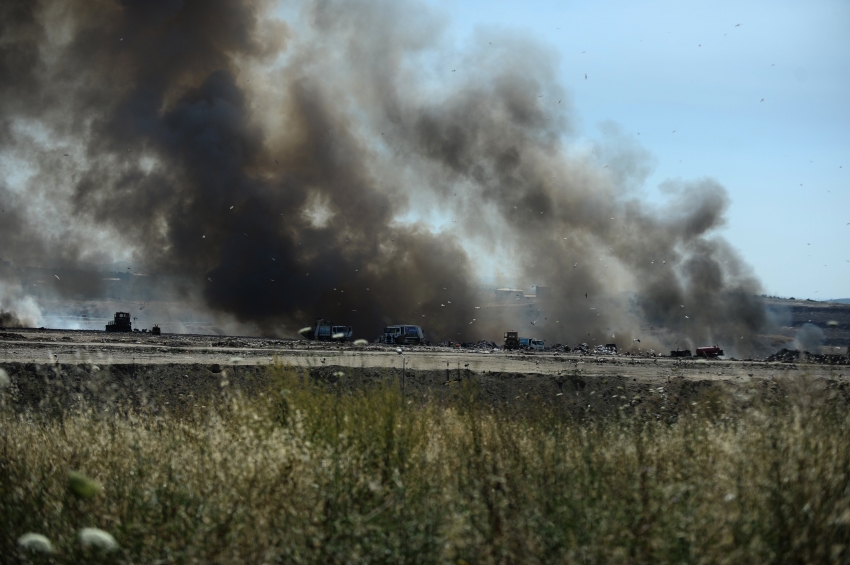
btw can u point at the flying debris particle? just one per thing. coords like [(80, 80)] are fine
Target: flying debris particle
[(57, 277)]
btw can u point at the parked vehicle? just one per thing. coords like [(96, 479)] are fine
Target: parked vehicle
[(532, 343), (324, 330), (709, 352), (511, 339), (403, 335), (121, 323)]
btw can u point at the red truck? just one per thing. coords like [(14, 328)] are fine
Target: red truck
[(709, 352)]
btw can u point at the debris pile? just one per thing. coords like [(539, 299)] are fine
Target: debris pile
[(483, 344), (793, 355), (785, 356), (10, 335), (827, 358)]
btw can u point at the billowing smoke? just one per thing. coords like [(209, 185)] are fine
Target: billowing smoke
[(809, 338), (344, 160), (11, 320)]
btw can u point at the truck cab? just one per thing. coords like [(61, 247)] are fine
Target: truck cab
[(403, 335), (537, 344), (341, 333), (391, 334), (413, 335), (511, 339), (324, 330)]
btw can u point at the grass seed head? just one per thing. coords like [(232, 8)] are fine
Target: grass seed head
[(94, 537), (35, 543)]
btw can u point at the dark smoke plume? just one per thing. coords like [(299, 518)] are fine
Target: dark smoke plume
[(284, 170), (11, 320)]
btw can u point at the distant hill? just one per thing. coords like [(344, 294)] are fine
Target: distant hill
[(839, 300)]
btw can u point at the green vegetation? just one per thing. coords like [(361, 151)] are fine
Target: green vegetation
[(308, 473)]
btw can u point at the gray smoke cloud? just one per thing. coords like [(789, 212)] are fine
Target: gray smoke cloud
[(345, 160), (809, 338)]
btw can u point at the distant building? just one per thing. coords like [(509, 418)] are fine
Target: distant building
[(541, 291), (509, 293)]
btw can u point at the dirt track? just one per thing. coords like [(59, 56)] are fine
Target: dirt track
[(70, 366)]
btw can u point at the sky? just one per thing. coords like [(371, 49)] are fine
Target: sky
[(757, 93)]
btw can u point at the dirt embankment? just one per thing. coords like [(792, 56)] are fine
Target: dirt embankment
[(51, 389)]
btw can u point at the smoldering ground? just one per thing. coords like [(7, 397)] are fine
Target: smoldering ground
[(345, 160)]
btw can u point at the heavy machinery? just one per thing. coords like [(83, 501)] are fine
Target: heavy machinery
[(403, 335), (324, 330), (511, 340), (121, 323), (155, 330), (681, 353), (709, 352)]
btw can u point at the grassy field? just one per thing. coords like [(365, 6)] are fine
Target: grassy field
[(305, 473)]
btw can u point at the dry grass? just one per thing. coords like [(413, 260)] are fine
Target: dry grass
[(309, 474)]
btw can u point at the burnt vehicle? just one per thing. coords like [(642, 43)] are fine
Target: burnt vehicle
[(403, 335), (120, 323)]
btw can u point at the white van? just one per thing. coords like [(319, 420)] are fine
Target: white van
[(537, 344)]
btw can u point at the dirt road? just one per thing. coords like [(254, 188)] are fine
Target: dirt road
[(52, 368)]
